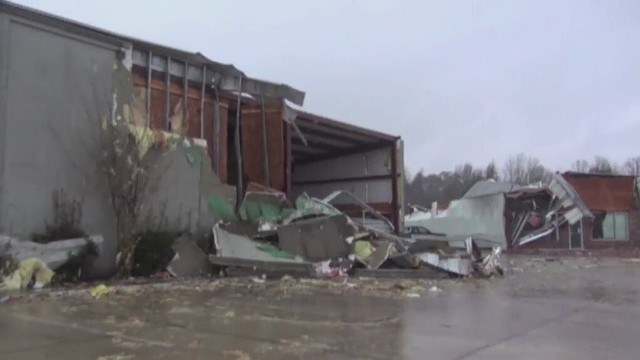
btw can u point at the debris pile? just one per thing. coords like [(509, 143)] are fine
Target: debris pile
[(26, 264), (313, 238)]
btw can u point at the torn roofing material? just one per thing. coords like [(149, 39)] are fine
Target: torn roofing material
[(480, 217), (567, 196), (455, 265), (488, 187), (331, 198), (261, 88), (604, 192)]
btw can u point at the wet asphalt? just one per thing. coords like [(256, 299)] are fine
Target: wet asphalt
[(576, 308)]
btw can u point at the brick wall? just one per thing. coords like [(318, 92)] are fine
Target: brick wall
[(589, 243), (634, 234)]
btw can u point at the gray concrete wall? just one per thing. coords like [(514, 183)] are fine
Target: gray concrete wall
[(4, 55), (59, 88), (58, 84), (182, 182)]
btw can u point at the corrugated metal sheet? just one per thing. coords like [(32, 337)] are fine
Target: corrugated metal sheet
[(604, 192), (489, 187)]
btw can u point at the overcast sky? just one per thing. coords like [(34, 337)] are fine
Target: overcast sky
[(460, 81)]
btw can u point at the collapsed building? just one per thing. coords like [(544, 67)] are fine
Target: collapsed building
[(574, 211), (614, 221), (61, 77)]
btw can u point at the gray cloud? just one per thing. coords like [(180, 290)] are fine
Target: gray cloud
[(458, 80)]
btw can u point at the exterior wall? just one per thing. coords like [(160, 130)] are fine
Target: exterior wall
[(191, 123), (4, 59), (589, 243), (367, 175), (252, 147), (634, 234), (58, 88), (55, 79)]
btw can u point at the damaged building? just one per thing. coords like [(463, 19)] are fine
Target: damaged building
[(59, 75), (614, 220), (574, 211)]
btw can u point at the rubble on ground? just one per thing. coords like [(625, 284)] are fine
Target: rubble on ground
[(313, 238), (26, 264), (309, 238)]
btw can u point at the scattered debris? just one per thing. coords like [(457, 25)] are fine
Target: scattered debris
[(30, 265), (116, 357), (434, 288), (236, 355), (491, 264), (259, 280), (189, 259), (53, 254), (317, 239), (99, 291), (29, 270), (454, 265), (413, 295)]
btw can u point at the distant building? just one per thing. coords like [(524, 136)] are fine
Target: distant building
[(613, 202)]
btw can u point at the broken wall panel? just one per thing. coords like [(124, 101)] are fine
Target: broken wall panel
[(252, 145), (189, 126), (317, 239)]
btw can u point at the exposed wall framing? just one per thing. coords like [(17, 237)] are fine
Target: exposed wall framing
[(196, 119), (253, 147)]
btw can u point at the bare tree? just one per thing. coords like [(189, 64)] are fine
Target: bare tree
[(632, 166), (491, 171), (581, 166), (602, 165), (521, 169), (514, 169), (126, 168), (127, 154)]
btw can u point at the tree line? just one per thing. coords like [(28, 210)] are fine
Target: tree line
[(423, 189)]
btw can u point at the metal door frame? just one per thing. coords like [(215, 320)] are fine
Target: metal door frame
[(581, 236)]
